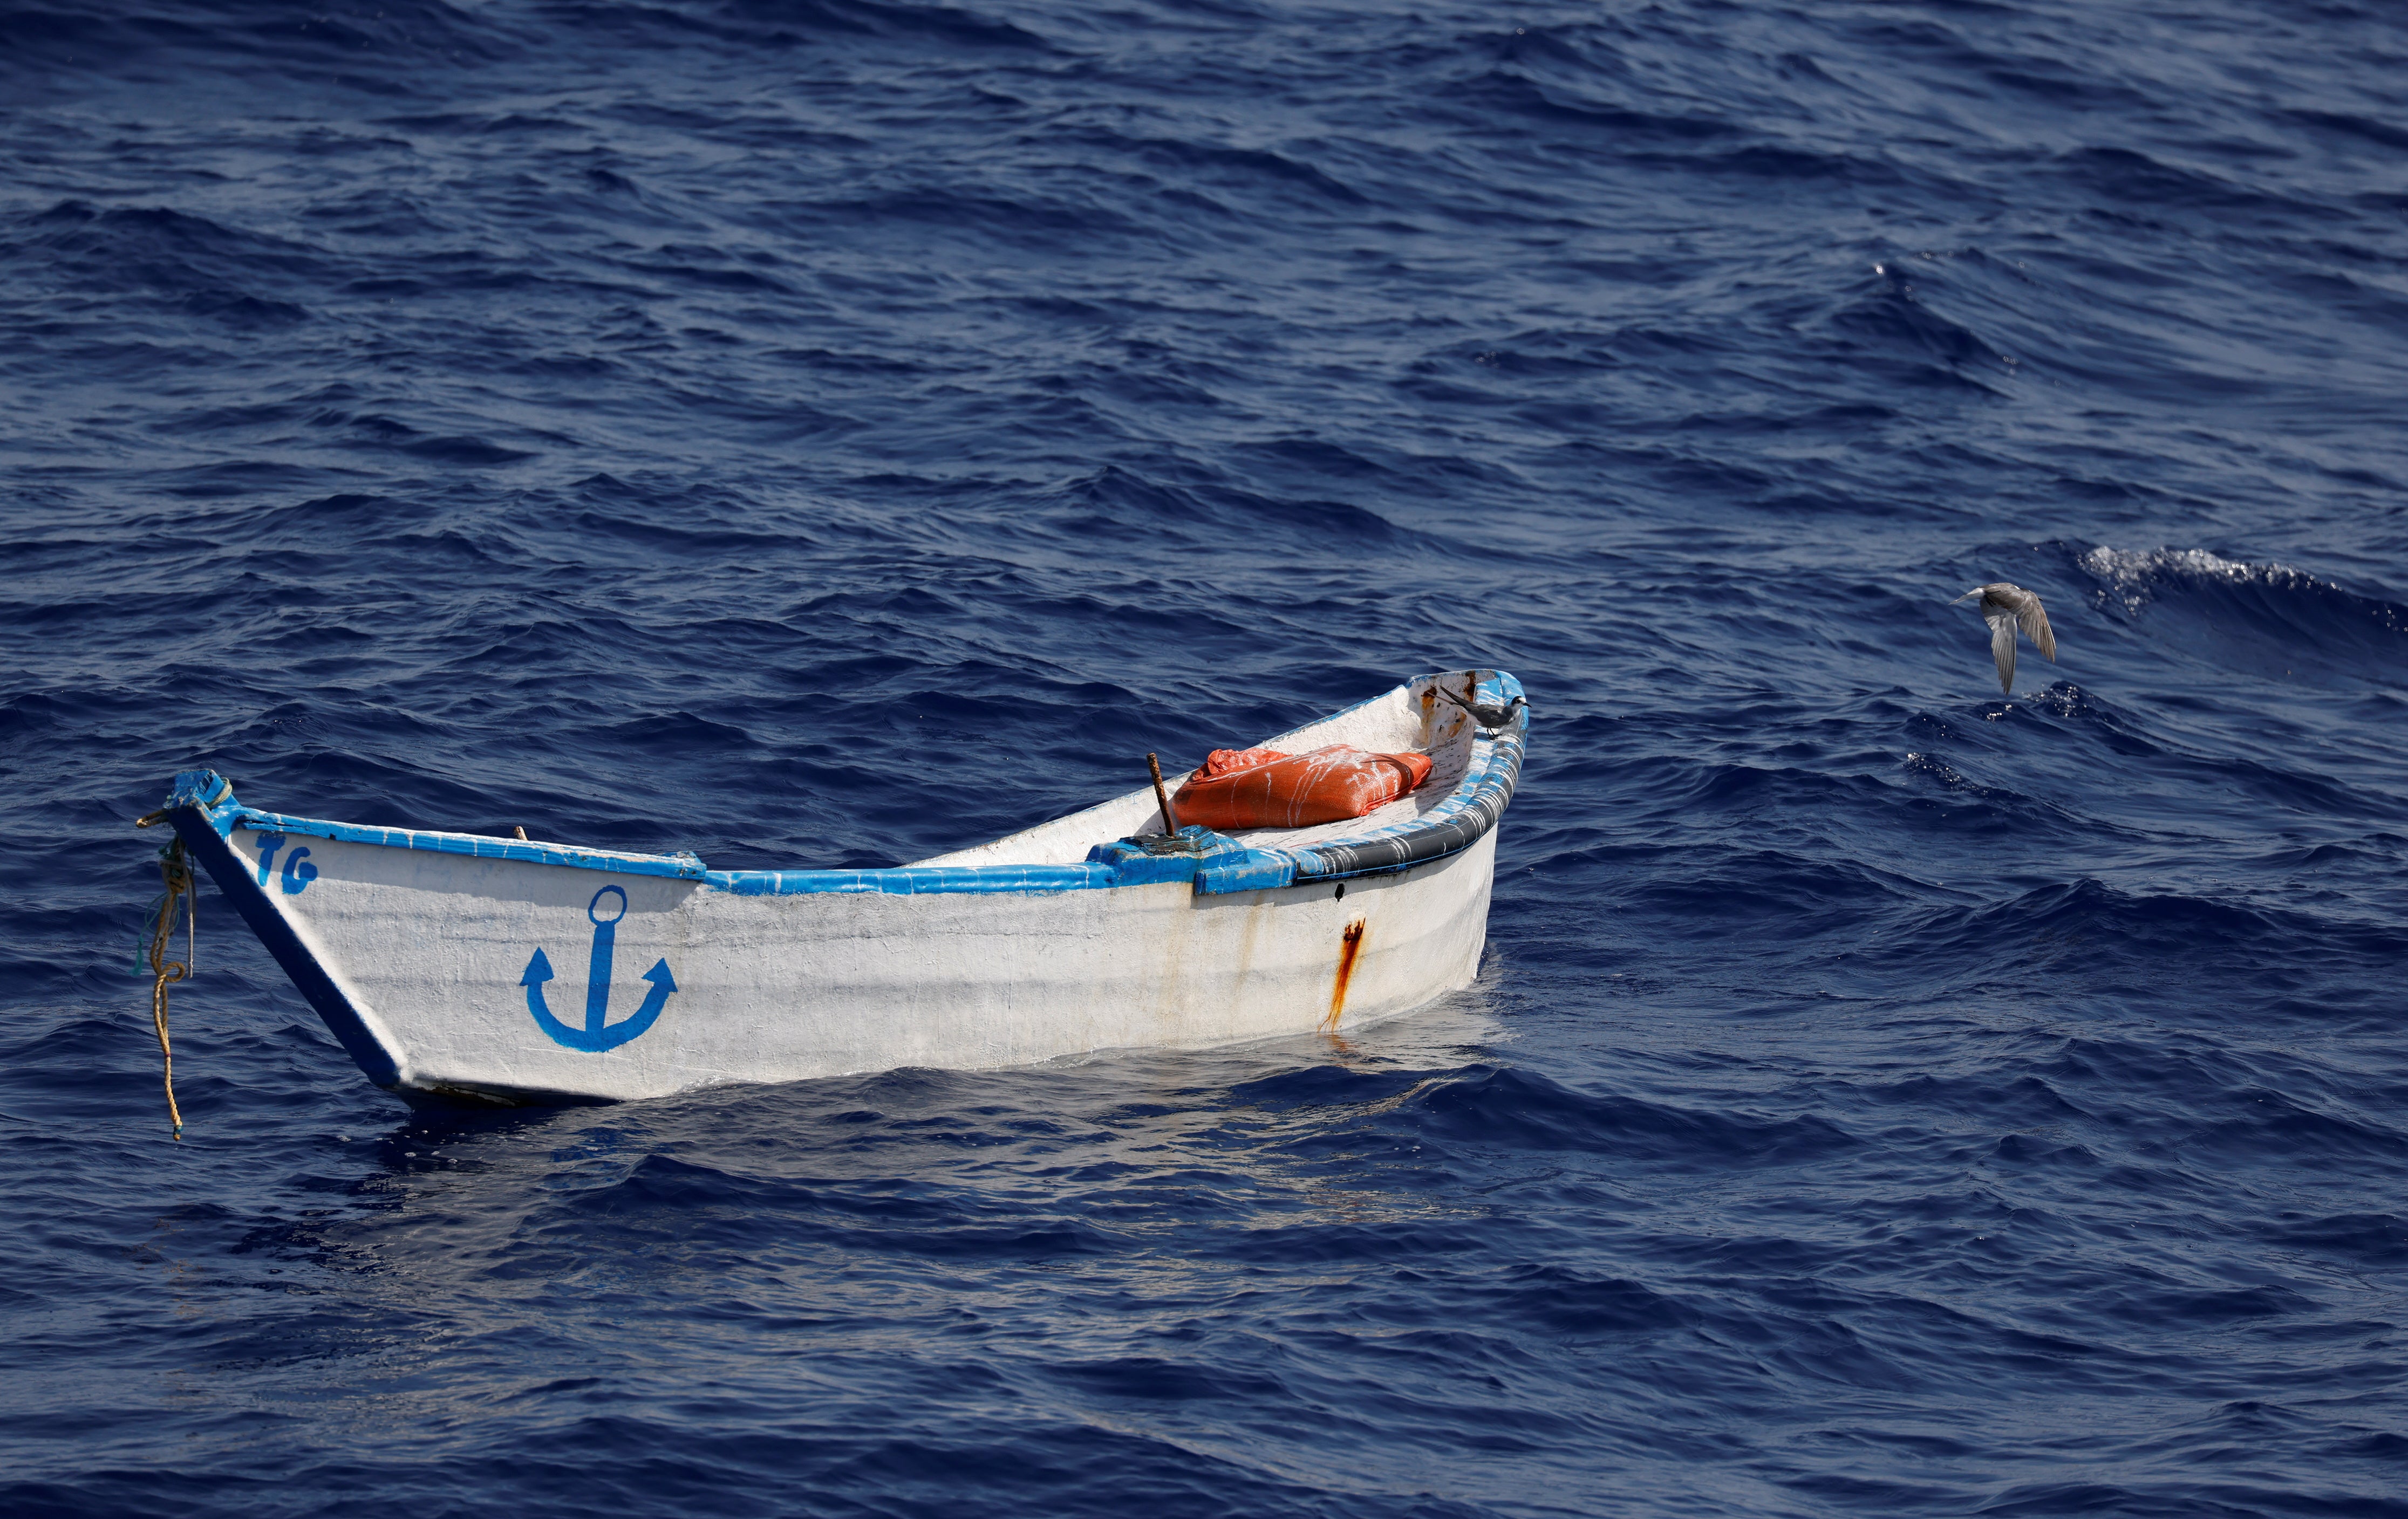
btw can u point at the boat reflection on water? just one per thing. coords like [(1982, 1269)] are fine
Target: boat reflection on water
[(1116, 1153)]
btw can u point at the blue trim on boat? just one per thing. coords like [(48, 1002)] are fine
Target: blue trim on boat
[(1255, 870), (1218, 865), (1212, 862), (913, 880), (681, 866), (214, 795)]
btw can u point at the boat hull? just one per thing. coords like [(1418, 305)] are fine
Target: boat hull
[(454, 967), (432, 958)]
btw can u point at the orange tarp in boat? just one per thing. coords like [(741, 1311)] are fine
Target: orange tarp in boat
[(1262, 788)]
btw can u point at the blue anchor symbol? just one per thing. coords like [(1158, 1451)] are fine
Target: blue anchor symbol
[(596, 1036)]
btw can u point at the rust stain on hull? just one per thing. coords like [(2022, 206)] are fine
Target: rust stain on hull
[(1350, 948)]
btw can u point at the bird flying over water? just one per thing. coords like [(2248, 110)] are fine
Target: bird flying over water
[(2007, 608)]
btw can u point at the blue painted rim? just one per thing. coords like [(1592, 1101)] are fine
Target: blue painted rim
[(204, 801)]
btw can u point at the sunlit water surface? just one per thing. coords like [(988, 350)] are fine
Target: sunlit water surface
[(831, 432)]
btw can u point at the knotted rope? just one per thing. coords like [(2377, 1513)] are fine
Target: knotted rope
[(176, 874)]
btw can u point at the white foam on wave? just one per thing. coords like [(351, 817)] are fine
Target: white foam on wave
[(2130, 574)]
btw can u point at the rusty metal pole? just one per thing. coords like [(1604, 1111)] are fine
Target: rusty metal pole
[(1169, 818)]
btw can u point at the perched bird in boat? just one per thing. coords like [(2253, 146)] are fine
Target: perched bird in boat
[(2007, 608), (1487, 717)]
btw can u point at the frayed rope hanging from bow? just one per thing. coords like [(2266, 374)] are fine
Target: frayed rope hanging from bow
[(176, 874)]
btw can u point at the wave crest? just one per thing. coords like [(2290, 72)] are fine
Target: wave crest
[(2270, 617), (2134, 576)]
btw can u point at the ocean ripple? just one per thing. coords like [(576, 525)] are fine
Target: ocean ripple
[(834, 432)]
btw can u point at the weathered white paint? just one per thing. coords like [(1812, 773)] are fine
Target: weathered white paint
[(430, 948)]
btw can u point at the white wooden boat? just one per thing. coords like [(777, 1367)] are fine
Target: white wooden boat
[(456, 966)]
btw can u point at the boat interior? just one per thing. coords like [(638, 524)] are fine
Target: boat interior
[(1427, 713)]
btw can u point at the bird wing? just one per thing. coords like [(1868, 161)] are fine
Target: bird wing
[(2003, 645), (2033, 619)]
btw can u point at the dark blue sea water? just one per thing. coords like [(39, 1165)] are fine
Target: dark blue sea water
[(834, 431)]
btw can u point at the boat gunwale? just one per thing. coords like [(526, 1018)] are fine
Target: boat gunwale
[(1467, 813)]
